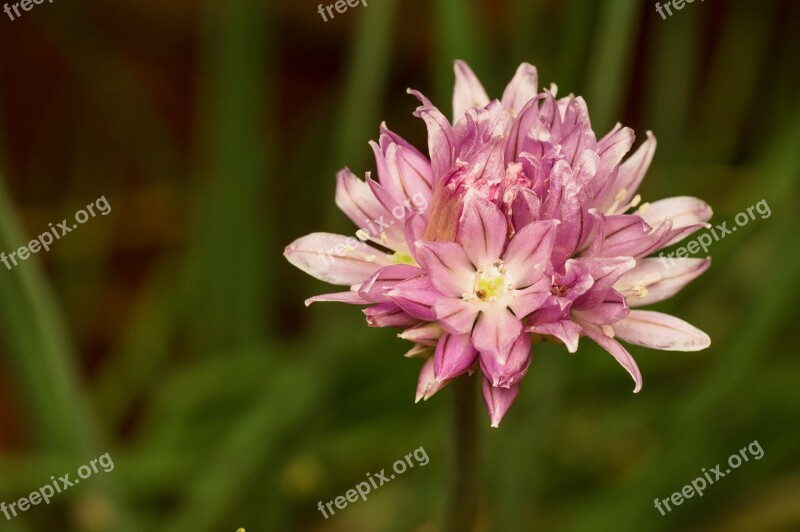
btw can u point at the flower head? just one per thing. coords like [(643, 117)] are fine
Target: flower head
[(519, 225)]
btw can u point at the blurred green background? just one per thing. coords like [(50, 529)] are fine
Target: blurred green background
[(172, 333)]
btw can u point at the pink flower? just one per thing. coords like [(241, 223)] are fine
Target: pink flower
[(520, 225)]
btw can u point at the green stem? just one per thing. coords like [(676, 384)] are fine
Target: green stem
[(462, 508)]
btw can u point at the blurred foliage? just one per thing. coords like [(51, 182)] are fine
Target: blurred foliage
[(172, 333)]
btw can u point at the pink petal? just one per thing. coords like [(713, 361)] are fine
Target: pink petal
[(632, 171), (353, 298), (388, 315), (424, 333), (447, 265), (605, 272), (656, 279), (509, 371), (565, 330), (427, 385), (529, 251), (455, 315), (496, 331), (660, 331), (498, 400), (454, 355), (525, 207), (531, 298), (374, 289), (356, 200), (617, 351), (335, 259), (416, 296), (468, 91), (482, 229), (440, 136), (521, 89), (688, 214)]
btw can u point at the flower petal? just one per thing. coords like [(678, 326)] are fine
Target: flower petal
[(416, 296), (351, 297), (455, 315), (440, 136), (427, 385), (567, 331), (688, 214), (482, 229), (496, 331), (660, 331), (424, 333), (656, 279), (447, 265), (506, 373), (454, 355), (357, 201), (617, 351), (531, 298), (498, 400), (374, 289), (631, 173), (521, 89), (388, 315), (529, 251), (468, 91), (335, 259)]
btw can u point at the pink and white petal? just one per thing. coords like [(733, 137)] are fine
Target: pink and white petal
[(525, 207), (336, 259), (455, 315), (531, 298), (528, 253), (440, 136), (616, 350), (657, 279), (352, 298), (468, 91), (607, 312), (388, 315), (454, 356), (508, 372), (419, 351), (660, 331), (631, 173), (522, 89), (482, 229), (605, 272), (427, 385), (567, 331), (414, 230), (447, 265), (424, 333), (374, 289), (688, 215), (682, 210), (496, 331), (498, 400), (416, 296)]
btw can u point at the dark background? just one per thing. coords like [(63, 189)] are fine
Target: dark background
[(172, 333)]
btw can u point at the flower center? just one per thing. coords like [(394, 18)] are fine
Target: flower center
[(490, 282), (559, 290)]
